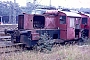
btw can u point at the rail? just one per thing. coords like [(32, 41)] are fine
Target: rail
[(11, 48), (5, 38)]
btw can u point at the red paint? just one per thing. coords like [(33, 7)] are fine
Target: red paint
[(88, 22), (66, 32), (70, 33), (70, 30), (89, 25), (63, 34), (61, 26), (35, 36), (50, 22), (83, 16), (28, 21)]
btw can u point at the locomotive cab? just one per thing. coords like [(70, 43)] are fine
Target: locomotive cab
[(69, 25)]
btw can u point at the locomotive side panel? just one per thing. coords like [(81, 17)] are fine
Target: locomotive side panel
[(63, 34), (50, 22), (89, 25), (28, 22), (52, 33), (21, 22)]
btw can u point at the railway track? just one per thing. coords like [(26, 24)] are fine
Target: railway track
[(10, 51), (5, 40), (11, 48), (6, 45), (8, 48)]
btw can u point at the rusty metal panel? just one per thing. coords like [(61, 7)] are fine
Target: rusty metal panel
[(63, 34), (83, 16), (28, 21), (61, 26), (35, 36), (70, 28), (89, 22), (89, 25), (53, 33), (29, 43), (21, 22), (71, 14), (50, 22), (70, 33)]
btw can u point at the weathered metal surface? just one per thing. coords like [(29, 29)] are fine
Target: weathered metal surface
[(28, 21), (65, 12), (88, 21), (21, 22), (50, 22), (27, 41), (71, 14), (70, 33), (83, 16), (53, 25), (35, 36), (53, 33), (63, 34)]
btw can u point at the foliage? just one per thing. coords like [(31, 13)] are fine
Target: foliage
[(45, 42), (58, 53), (6, 8)]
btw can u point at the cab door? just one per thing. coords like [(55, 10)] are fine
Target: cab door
[(71, 28), (62, 25)]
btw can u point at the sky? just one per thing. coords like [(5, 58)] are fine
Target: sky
[(65, 3)]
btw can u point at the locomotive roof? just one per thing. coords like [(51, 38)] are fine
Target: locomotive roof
[(85, 14), (88, 15), (72, 14)]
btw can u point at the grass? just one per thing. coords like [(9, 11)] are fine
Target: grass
[(72, 52), (58, 53)]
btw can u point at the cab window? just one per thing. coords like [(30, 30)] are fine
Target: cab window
[(62, 19), (72, 22), (84, 20)]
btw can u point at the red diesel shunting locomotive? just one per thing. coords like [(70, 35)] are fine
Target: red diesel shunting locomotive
[(60, 25)]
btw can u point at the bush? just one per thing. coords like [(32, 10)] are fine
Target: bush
[(45, 43)]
